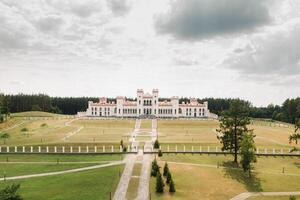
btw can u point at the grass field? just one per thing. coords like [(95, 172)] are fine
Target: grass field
[(54, 158), (92, 184), (146, 124), (204, 132), (209, 182), (36, 114), (13, 169)]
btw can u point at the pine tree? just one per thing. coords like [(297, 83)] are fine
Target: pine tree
[(172, 186), (156, 144), (154, 168), (166, 170), (169, 177), (159, 183), (233, 125), (160, 154)]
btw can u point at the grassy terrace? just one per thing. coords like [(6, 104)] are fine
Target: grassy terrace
[(92, 184), (210, 182), (55, 130), (268, 135)]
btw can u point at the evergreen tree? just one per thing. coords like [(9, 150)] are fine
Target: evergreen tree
[(248, 152), (159, 183), (156, 144), (172, 186), (166, 170), (160, 154), (154, 168), (292, 198), (169, 177), (233, 125), (296, 135), (10, 193)]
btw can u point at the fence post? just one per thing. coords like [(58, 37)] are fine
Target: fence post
[(39, 149), (79, 149), (47, 149), (16, 149), (87, 149), (103, 148), (176, 148), (23, 149), (112, 148), (55, 149), (281, 150), (266, 151), (184, 148), (71, 149), (200, 149), (193, 149), (95, 149), (168, 148), (31, 149), (63, 149), (216, 149), (120, 148), (257, 151), (208, 149)]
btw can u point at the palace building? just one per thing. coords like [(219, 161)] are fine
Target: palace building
[(147, 105)]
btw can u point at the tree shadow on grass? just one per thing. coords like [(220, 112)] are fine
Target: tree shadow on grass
[(297, 164), (253, 183)]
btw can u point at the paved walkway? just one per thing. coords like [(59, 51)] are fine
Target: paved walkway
[(64, 172), (143, 189), (246, 195), (121, 190)]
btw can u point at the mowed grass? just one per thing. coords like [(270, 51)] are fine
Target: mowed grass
[(207, 181), (55, 130), (106, 131), (146, 124), (92, 184), (268, 135), (134, 182), (58, 157), (13, 169)]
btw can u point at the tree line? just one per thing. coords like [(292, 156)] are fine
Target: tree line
[(286, 112)]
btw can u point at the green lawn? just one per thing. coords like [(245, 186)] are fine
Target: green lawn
[(92, 184), (146, 124), (134, 182), (36, 114), (210, 182), (53, 158), (12, 169)]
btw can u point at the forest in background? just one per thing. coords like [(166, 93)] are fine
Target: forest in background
[(289, 111)]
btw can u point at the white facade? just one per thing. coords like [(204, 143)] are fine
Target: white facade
[(147, 105)]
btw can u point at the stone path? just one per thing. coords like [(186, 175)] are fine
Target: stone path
[(121, 190), (64, 172), (143, 189), (246, 195)]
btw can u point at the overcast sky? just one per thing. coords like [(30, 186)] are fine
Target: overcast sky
[(194, 48)]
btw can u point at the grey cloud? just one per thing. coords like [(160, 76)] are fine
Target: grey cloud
[(119, 7), (198, 19), (277, 54), (49, 23)]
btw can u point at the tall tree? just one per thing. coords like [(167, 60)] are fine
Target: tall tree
[(233, 125), (296, 135), (4, 137), (248, 152)]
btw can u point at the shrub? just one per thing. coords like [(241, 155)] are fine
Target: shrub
[(172, 186), (24, 129), (159, 183), (166, 170), (292, 198), (156, 144), (160, 154), (43, 125)]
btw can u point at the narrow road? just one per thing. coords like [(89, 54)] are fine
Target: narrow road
[(63, 172), (246, 195)]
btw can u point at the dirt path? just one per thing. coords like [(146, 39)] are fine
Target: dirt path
[(246, 195), (63, 172)]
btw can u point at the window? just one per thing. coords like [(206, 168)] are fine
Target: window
[(140, 102), (180, 111), (119, 111)]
